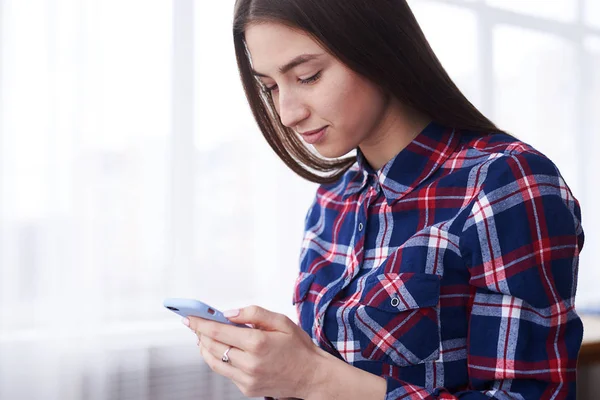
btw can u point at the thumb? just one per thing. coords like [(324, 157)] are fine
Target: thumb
[(258, 317)]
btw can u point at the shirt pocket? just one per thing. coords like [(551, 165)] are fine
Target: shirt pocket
[(397, 319)]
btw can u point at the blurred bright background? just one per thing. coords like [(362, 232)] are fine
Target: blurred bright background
[(131, 170)]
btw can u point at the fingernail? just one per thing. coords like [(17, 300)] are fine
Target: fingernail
[(198, 342), (186, 322), (231, 313)]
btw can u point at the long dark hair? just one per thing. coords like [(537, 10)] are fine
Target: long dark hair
[(378, 39)]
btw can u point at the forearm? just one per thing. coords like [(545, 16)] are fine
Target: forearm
[(335, 379)]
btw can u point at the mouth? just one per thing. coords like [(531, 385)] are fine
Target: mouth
[(308, 133), (312, 137)]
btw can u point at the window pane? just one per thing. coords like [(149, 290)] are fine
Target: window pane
[(560, 10), (223, 217), (592, 13), (589, 275), (452, 33), (592, 46), (236, 176), (84, 135), (218, 88), (535, 93)]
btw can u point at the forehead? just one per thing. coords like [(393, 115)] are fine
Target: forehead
[(271, 45)]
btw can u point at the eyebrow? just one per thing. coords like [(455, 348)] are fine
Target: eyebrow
[(301, 59)]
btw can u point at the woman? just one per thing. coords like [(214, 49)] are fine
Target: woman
[(440, 262)]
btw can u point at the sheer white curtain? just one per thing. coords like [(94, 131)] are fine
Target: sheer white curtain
[(131, 170)]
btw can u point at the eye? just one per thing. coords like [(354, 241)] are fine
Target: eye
[(312, 79), (307, 81)]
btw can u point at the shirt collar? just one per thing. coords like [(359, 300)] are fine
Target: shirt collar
[(409, 168)]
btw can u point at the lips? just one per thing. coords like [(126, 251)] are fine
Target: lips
[(308, 133), (312, 137)]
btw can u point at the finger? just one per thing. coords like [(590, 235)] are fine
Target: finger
[(222, 368), (237, 358), (262, 318), (234, 336)]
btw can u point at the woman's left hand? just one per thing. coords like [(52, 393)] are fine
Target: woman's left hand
[(276, 359)]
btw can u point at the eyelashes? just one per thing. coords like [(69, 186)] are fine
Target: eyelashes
[(306, 81)]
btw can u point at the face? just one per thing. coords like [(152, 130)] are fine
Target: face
[(316, 91)]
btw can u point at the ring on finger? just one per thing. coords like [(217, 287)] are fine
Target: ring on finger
[(225, 357)]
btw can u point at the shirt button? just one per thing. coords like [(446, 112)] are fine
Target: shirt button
[(320, 321), (360, 227), (395, 302)]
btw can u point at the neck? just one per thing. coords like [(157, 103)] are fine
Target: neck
[(398, 127)]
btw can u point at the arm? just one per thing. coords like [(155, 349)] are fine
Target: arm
[(521, 243), (335, 379)]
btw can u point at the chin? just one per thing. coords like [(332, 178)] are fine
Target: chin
[(329, 151)]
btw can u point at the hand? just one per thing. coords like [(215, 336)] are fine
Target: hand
[(276, 359)]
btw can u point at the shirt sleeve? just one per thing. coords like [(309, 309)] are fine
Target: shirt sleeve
[(521, 242)]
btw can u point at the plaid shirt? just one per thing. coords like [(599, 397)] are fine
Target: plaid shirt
[(450, 272)]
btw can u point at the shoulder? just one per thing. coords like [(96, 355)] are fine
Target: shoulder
[(507, 173), (516, 181), (502, 160)]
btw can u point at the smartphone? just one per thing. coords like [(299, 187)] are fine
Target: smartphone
[(196, 308)]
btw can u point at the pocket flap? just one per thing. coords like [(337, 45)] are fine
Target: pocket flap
[(302, 286), (404, 291)]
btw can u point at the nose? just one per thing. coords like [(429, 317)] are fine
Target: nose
[(292, 108)]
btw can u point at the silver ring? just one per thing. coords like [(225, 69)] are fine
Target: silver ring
[(225, 357)]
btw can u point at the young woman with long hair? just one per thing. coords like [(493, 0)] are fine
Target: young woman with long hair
[(440, 253)]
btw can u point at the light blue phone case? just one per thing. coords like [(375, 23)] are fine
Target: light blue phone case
[(195, 308)]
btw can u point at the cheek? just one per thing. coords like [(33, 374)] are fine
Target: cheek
[(336, 102), (354, 106)]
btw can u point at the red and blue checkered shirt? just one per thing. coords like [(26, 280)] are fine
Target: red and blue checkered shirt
[(451, 271)]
